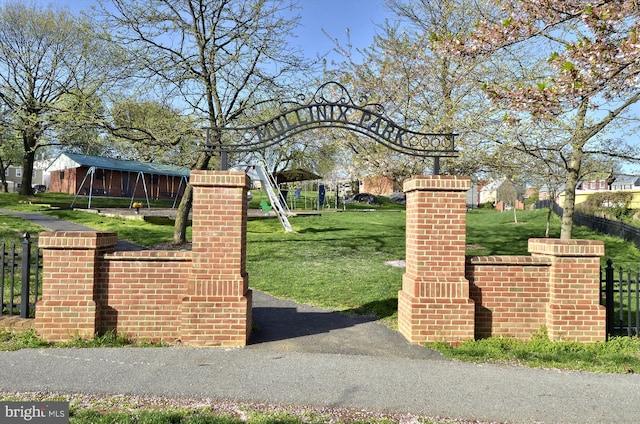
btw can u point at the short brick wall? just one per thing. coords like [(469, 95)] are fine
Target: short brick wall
[(510, 293), (140, 293)]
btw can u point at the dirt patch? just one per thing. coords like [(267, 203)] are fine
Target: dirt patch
[(172, 246), (474, 247)]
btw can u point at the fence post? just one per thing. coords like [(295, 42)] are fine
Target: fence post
[(26, 264), (609, 296), (2, 259)]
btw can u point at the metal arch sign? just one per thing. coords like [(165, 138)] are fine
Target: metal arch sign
[(332, 107)]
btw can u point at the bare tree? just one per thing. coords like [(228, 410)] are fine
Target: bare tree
[(218, 59), (45, 73)]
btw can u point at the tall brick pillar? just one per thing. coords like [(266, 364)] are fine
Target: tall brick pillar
[(574, 311), (69, 263), (434, 303), (217, 309)]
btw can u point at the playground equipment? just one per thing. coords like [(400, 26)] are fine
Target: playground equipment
[(269, 185)]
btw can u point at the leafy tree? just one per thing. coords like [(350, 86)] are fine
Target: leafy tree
[(219, 59), (592, 57), (49, 64), (9, 153), (152, 132), (80, 130)]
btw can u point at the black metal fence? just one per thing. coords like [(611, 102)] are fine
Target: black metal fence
[(620, 294), (19, 277), (602, 225)]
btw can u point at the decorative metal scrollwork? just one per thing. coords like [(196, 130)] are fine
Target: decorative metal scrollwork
[(332, 107)]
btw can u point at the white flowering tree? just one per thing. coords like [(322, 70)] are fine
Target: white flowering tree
[(590, 81)]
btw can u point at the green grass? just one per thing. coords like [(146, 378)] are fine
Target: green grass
[(12, 228), (335, 260), (28, 339), (138, 231), (497, 233), (44, 201), (619, 355), (202, 416)]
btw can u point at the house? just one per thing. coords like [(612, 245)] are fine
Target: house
[(626, 182), (502, 192), (619, 182), (99, 176), (600, 184), (380, 185), (13, 175)]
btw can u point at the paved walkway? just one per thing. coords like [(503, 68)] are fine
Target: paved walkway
[(51, 223), (306, 356)]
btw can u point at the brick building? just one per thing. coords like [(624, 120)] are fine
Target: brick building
[(80, 174)]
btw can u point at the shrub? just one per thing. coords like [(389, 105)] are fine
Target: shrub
[(609, 203)]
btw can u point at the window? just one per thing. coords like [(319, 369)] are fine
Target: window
[(62, 175), (18, 172)]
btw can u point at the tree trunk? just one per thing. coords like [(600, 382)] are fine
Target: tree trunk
[(4, 186), (27, 173), (578, 140), (182, 214), (547, 230), (569, 205)]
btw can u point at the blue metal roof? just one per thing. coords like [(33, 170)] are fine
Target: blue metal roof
[(128, 165)]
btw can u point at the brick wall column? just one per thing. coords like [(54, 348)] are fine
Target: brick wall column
[(69, 266), (574, 311), (217, 309), (434, 303)]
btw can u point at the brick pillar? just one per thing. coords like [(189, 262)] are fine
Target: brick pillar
[(434, 303), (69, 266), (217, 309), (574, 311)]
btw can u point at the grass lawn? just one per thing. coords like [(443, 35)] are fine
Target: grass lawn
[(336, 260)]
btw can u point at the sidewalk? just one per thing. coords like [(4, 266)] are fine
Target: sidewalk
[(306, 356), (424, 387), (51, 223)]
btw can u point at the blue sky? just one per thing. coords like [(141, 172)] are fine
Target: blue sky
[(332, 16)]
